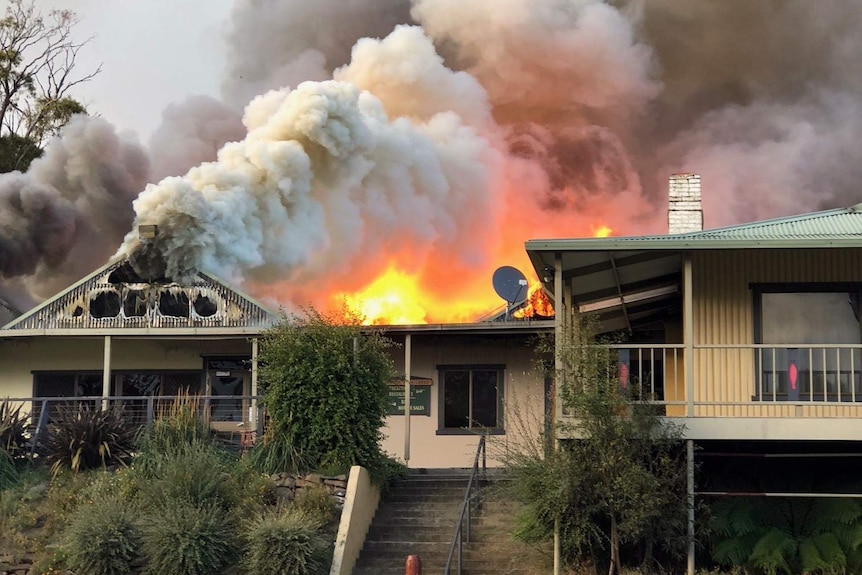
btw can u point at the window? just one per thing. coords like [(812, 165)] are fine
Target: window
[(65, 384), (817, 339), (471, 397)]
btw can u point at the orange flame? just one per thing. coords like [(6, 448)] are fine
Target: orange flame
[(415, 289), (393, 298), (537, 305), (602, 232)]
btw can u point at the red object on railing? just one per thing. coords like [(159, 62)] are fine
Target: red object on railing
[(414, 565), (792, 374)]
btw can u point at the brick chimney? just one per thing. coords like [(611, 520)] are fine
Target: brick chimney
[(684, 212)]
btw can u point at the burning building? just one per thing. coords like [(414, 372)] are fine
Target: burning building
[(405, 156)]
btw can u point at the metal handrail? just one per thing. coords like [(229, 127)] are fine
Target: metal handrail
[(465, 507)]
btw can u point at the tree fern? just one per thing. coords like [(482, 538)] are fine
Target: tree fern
[(775, 552)]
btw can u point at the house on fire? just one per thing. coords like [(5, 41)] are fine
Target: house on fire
[(748, 335), (115, 335)]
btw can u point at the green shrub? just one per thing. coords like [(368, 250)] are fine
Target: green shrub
[(181, 538), (288, 543), (324, 385), (82, 438), (316, 502), (256, 490), (103, 538), (275, 453), (176, 427), (196, 473), (12, 429)]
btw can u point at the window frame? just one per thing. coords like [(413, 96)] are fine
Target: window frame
[(499, 429), (758, 289)]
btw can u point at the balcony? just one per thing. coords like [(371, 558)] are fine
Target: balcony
[(819, 383)]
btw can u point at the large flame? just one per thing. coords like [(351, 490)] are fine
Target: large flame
[(537, 305), (393, 298)]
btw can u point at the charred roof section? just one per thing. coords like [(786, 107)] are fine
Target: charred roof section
[(117, 297)]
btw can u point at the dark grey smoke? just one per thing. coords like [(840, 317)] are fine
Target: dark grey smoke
[(36, 225), (66, 215), (191, 133), (279, 43)]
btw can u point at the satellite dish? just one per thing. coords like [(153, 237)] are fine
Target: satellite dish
[(510, 284)]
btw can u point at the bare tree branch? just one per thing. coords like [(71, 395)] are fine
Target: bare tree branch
[(38, 61)]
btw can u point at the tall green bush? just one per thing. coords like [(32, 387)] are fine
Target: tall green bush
[(103, 538), (620, 482), (324, 381), (177, 427), (286, 543), (181, 538)]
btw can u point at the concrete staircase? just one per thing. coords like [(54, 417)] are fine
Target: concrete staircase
[(418, 518)]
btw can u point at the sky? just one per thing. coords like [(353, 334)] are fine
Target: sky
[(153, 53)]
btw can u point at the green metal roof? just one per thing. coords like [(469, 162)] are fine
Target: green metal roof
[(632, 281), (840, 227)]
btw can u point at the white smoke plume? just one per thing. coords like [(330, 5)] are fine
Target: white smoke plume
[(323, 173)]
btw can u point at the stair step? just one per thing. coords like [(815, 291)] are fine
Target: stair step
[(410, 533), (418, 517)]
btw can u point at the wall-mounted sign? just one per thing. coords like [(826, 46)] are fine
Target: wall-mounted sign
[(420, 397)]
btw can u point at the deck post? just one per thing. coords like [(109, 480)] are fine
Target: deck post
[(688, 333), (407, 366), (106, 373), (253, 416)]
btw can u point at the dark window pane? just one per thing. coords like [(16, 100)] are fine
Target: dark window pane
[(227, 408), (140, 384), (456, 398), (174, 304), (484, 398), (204, 306), (135, 303), (54, 385), (176, 383), (105, 304)]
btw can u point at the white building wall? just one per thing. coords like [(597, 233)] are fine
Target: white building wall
[(523, 403)]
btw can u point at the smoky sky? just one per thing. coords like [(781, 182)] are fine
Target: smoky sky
[(564, 108)]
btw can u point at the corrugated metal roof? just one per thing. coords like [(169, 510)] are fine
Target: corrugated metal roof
[(840, 227)]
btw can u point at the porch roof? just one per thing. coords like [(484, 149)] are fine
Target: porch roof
[(635, 280)]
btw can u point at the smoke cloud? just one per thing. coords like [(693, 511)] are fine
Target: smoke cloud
[(433, 137), (191, 133), (323, 173), (74, 201)]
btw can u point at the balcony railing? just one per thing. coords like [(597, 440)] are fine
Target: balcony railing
[(237, 417), (744, 380)]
